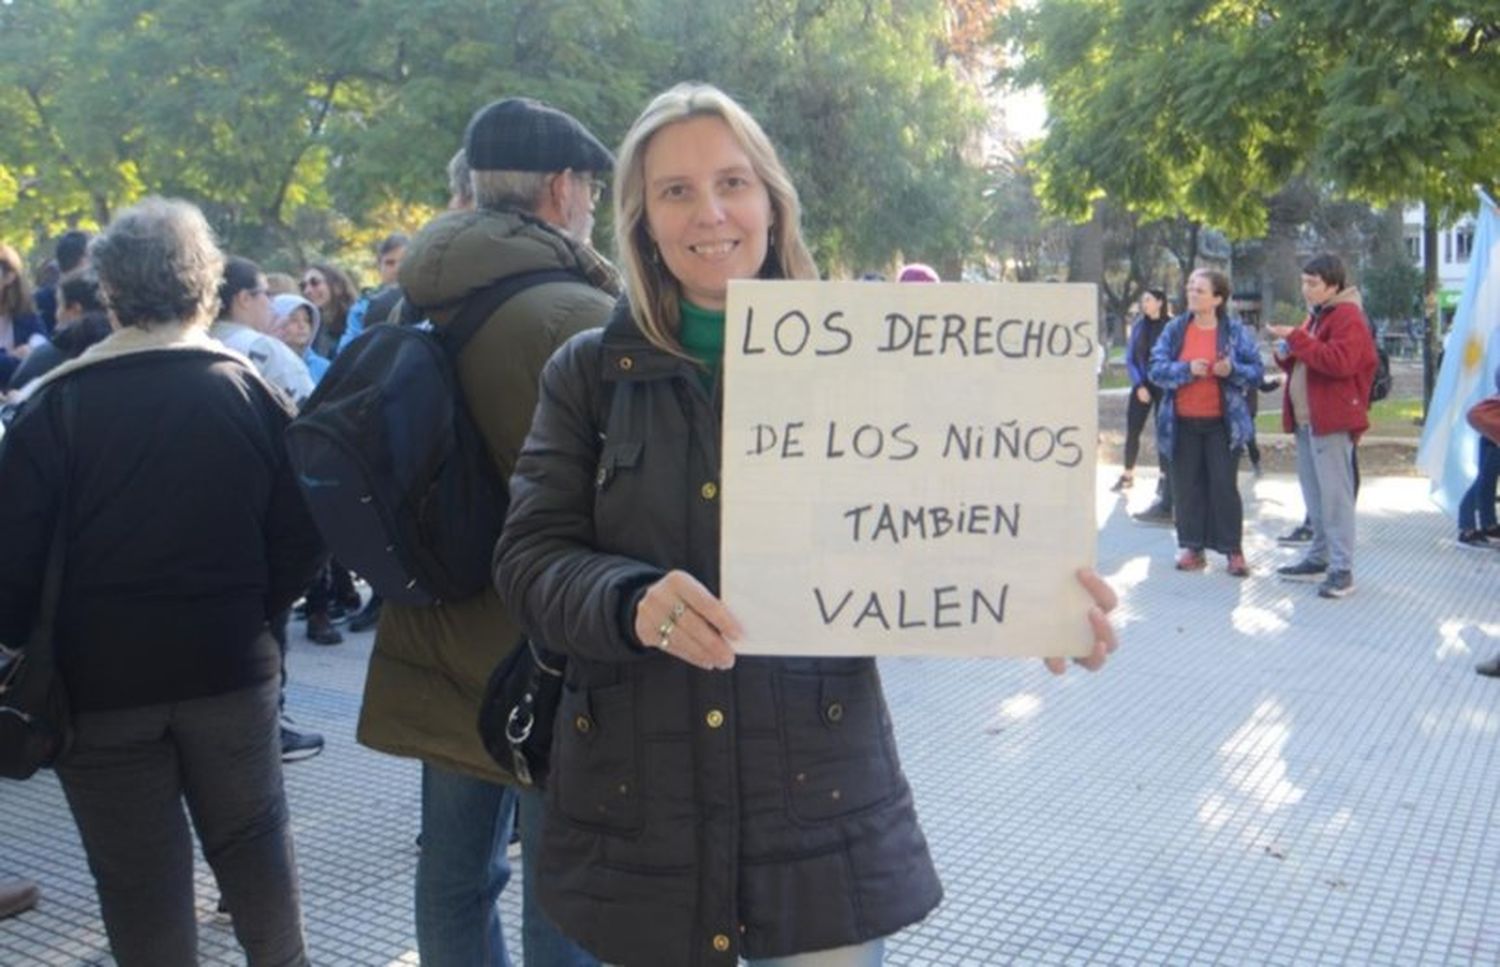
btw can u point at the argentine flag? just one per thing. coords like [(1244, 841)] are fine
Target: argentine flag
[(1449, 450)]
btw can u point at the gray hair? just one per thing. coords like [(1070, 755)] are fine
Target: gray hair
[(158, 263), (460, 187), (510, 189)]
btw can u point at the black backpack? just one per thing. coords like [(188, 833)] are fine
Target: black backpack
[(396, 474)]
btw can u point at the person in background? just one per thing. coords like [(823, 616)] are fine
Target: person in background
[(1476, 511), (81, 322), (20, 326), (279, 283), (72, 255), (1330, 360), (460, 185), (1204, 361), (181, 544), (375, 308), (717, 848), (328, 288), (917, 272), (537, 174), (245, 325), (295, 322), (1144, 399)]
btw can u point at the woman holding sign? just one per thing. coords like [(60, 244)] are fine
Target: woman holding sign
[(700, 807), (1206, 361)]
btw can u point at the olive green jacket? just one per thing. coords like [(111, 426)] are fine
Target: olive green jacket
[(430, 665)]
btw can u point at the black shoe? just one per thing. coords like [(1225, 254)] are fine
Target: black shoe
[(368, 616), (1124, 483), (1489, 669), (1157, 513), (1474, 539), (297, 744), (1303, 571), (320, 630), (1301, 534), (1338, 584)]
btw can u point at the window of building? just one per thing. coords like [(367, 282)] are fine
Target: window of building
[(1463, 243)]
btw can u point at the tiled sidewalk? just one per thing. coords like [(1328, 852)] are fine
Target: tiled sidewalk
[(1260, 777)]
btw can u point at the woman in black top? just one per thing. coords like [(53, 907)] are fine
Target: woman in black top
[(160, 457), (1144, 395)]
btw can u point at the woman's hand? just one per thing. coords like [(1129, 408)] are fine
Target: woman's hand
[(1105, 641), (1143, 394), (681, 617), (1222, 367), (1198, 367), (1279, 332)]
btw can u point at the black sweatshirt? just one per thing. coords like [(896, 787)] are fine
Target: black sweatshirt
[(185, 527)]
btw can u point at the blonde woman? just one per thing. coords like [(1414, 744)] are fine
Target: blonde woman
[(702, 807)]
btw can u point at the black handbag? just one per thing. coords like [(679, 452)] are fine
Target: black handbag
[(35, 718), (519, 709)]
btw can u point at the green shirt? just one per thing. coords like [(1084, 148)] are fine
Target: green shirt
[(703, 337)]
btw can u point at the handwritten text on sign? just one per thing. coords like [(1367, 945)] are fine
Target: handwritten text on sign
[(909, 468)]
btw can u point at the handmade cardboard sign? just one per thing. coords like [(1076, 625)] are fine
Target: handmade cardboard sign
[(908, 469)]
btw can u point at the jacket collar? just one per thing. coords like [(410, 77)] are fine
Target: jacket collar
[(629, 355), (132, 340)]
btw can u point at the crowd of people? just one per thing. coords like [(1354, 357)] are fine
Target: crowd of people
[(707, 823), (1202, 371)]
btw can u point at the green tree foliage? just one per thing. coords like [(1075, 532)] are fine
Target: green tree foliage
[(305, 127), (1205, 107)]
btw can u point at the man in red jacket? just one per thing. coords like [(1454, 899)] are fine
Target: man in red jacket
[(1331, 362)]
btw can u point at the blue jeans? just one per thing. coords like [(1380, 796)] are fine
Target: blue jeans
[(1477, 510), (462, 868)]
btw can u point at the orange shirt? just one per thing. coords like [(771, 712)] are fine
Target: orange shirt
[(1199, 399)]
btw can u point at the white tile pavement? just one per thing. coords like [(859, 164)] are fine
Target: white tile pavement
[(1260, 777)]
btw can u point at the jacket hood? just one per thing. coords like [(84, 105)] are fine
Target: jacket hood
[(460, 252), (283, 305), (1349, 295)]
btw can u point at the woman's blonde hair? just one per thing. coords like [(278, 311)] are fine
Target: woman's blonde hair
[(654, 292)]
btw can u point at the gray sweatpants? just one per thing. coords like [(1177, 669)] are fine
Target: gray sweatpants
[(126, 779), (1325, 468)]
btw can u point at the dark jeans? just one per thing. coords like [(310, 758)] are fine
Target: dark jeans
[(1477, 510), (1136, 416), (126, 779), (1209, 514)]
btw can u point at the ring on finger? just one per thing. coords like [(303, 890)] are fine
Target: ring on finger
[(665, 631), (679, 609)]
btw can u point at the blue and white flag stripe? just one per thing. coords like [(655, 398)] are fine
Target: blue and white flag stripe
[(1448, 453)]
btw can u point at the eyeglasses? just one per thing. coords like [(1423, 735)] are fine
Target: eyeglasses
[(310, 282), (594, 186)]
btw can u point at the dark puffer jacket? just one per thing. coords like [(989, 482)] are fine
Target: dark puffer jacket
[(692, 817)]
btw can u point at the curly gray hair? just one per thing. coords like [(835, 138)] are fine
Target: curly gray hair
[(158, 263)]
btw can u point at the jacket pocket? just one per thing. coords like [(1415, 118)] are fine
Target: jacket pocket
[(595, 759), (614, 458), (837, 746)]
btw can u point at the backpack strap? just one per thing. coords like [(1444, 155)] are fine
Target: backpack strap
[(482, 304)]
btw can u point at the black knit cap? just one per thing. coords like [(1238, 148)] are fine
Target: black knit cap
[(519, 134)]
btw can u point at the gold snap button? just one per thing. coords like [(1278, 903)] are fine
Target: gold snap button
[(582, 723), (601, 476), (715, 718), (626, 363), (710, 490), (721, 943)]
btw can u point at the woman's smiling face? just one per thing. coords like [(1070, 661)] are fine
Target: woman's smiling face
[(706, 208)]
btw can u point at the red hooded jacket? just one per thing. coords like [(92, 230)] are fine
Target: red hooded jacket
[(1336, 346)]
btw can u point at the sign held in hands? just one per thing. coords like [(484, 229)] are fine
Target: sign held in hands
[(909, 469)]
